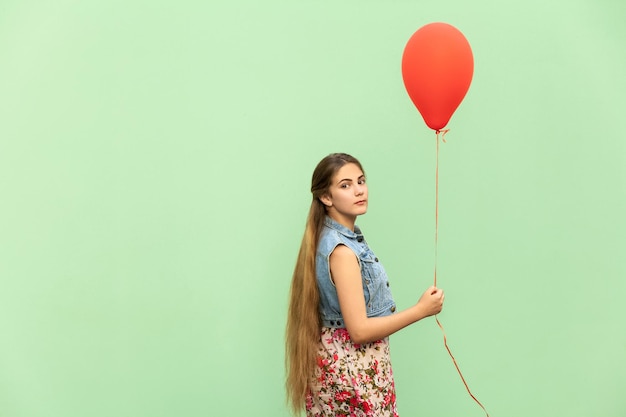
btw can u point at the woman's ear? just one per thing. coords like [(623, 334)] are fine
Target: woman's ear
[(325, 199)]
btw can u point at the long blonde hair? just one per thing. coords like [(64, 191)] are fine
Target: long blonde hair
[(303, 320)]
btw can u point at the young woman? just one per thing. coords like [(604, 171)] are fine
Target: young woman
[(341, 311)]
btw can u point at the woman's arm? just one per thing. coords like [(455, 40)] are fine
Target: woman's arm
[(346, 273)]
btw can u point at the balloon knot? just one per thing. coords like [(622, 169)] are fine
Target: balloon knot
[(443, 134)]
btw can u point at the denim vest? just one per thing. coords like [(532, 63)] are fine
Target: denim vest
[(378, 299)]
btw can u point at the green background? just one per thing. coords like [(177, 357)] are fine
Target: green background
[(155, 160)]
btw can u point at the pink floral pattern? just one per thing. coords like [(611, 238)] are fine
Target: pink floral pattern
[(351, 379)]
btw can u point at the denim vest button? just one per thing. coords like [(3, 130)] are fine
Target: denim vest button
[(376, 259), (393, 309), (387, 283)]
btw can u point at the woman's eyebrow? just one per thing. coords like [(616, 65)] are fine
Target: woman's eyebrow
[(349, 179)]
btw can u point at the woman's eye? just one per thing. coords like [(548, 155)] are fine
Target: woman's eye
[(344, 185)]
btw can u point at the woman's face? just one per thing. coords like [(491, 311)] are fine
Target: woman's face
[(347, 195)]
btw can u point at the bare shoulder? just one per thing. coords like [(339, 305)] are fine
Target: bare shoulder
[(342, 253), (343, 259)]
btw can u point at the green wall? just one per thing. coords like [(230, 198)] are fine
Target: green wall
[(155, 160)]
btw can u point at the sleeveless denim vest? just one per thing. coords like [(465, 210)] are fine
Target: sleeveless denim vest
[(378, 299)]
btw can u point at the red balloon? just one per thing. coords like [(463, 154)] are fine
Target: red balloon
[(437, 69)]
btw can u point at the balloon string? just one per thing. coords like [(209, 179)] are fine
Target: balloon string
[(443, 132), (445, 342), (445, 339)]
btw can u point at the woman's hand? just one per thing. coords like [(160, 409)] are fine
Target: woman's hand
[(431, 302)]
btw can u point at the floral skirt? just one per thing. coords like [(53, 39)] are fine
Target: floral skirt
[(351, 379)]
